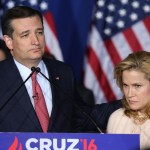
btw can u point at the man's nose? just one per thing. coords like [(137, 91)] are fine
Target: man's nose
[(35, 39)]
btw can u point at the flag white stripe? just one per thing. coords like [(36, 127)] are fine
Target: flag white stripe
[(142, 35), (52, 42), (104, 59), (90, 81), (121, 45)]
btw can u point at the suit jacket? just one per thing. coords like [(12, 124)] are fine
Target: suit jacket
[(100, 114), (69, 112), (16, 111)]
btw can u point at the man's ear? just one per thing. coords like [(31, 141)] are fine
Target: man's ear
[(8, 41)]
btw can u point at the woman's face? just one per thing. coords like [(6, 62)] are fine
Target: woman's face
[(136, 89)]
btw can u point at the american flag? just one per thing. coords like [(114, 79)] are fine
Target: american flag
[(52, 44), (119, 27)]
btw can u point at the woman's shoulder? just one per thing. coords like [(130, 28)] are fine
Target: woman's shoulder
[(117, 113), (114, 120)]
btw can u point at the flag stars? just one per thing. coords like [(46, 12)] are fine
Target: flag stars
[(111, 7), (135, 4), (109, 19), (100, 3), (10, 4), (44, 5), (99, 15), (133, 16), (107, 31), (33, 2), (146, 8), (124, 1), (122, 12), (120, 24)]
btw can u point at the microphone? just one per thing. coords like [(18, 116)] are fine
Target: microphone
[(33, 69), (38, 70)]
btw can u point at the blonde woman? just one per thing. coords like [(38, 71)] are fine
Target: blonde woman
[(133, 77)]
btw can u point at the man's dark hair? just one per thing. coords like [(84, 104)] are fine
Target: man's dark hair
[(17, 12)]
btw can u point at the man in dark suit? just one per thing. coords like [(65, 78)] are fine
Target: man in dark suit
[(4, 52), (23, 34)]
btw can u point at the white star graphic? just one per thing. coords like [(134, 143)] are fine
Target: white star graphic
[(10, 4), (33, 2), (120, 24), (100, 3), (146, 8), (135, 4), (133, 16), (107, 31), (44, 5), (99, 15), (111, 7), (124, 1), (122, 12), (109, 19)]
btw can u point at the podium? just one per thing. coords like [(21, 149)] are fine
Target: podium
[(68, 141)]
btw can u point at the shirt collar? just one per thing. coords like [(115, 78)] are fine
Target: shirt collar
[(25, 71)]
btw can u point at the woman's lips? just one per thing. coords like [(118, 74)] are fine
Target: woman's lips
[(133, 101)]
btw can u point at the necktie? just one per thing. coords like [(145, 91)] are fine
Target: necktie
[(40, 105)]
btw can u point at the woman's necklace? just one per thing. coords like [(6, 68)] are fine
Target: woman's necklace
[(140, 118)]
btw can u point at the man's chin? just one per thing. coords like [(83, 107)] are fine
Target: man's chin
[(37, 57)]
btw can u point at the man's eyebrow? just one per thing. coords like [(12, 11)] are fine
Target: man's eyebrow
[(27, 31), (40, 29), (24, 32)]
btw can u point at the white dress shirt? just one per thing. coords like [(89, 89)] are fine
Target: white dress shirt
[(44, 83)]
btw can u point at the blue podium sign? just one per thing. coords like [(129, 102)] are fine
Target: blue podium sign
[(68, 141)]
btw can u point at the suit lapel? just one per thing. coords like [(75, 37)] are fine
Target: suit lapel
[(54, 79), (21, 95), (27, 106)]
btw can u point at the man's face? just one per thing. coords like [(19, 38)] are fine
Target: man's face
[(28, 41)]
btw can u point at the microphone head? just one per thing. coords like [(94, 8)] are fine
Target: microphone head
[(33, 69), (38, 70)]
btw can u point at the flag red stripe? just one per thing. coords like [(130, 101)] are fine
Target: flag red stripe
[(47, 50), (132, 40), (94, 63), (146, 22), (112, 52), (49, 18)]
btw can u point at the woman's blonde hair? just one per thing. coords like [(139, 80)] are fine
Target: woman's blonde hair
[(135, 61)]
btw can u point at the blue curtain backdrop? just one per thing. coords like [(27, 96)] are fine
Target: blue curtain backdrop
[(72, 19)]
